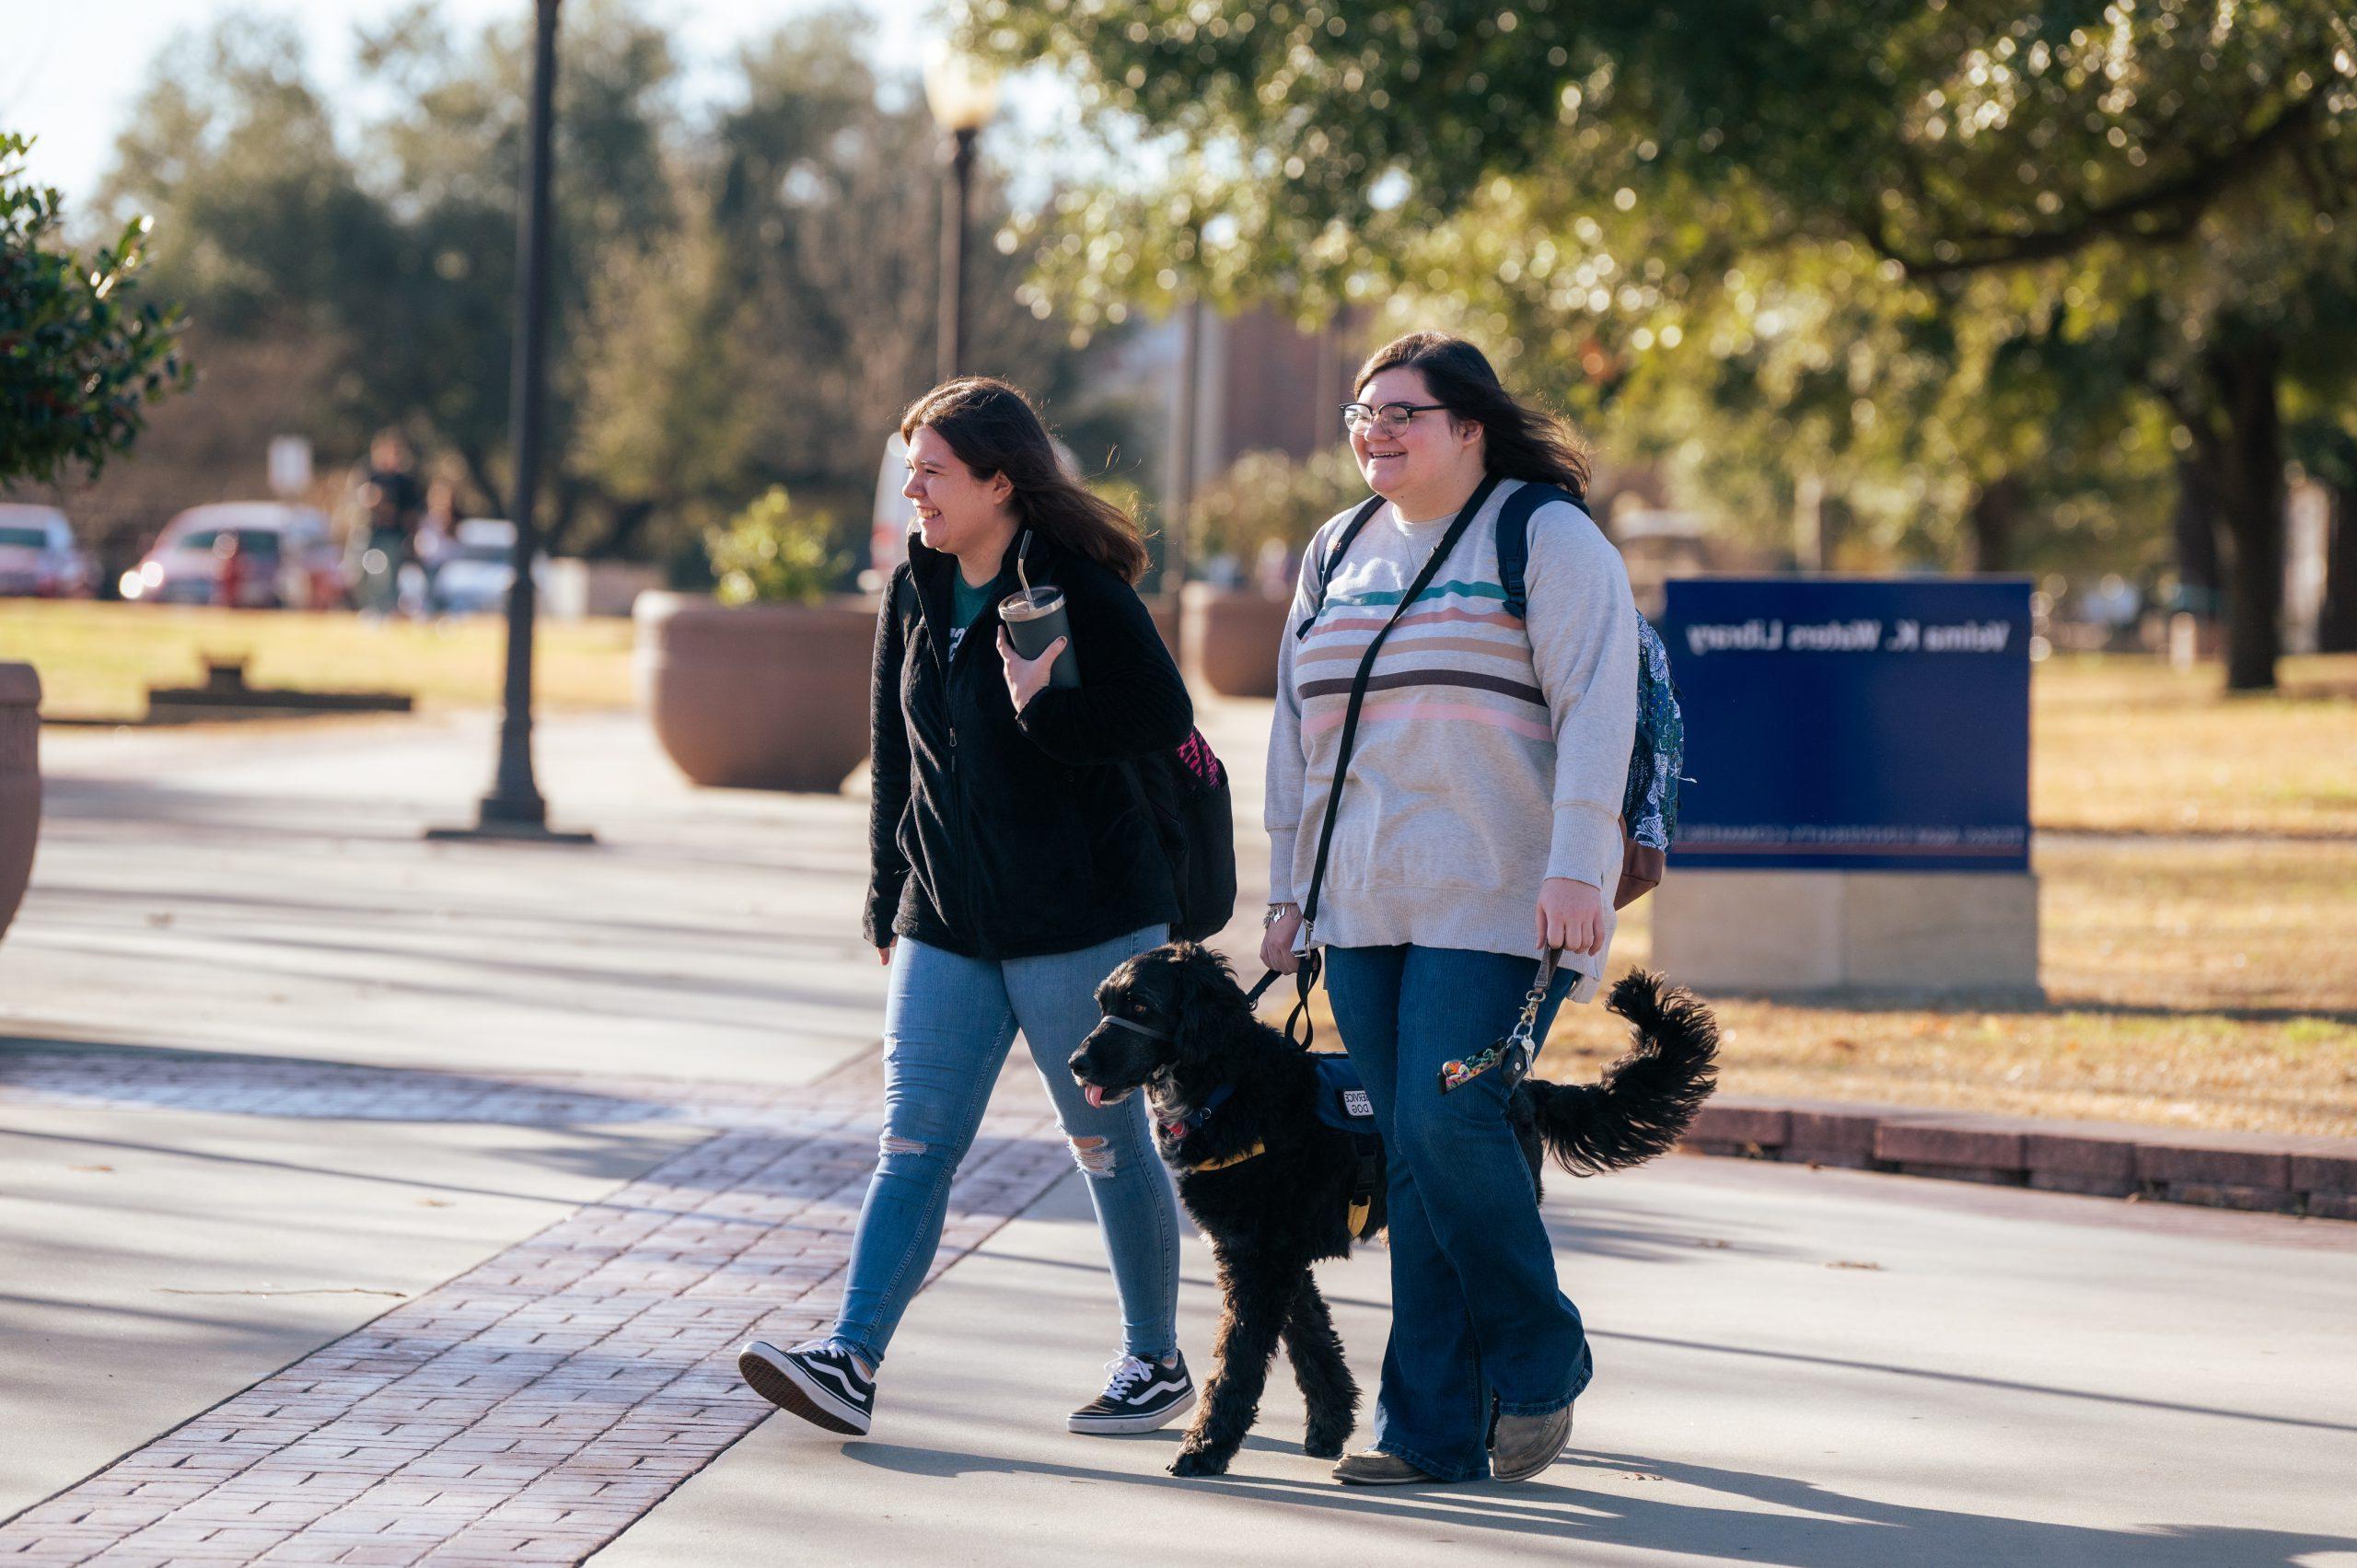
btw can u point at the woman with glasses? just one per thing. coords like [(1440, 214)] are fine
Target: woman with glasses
[(1008, 875), (1478, 828)]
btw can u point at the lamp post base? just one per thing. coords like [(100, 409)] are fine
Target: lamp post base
[(491, 829)]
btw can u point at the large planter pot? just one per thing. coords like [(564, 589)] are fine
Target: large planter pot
[(1231, 637), (1163, 609), (19, 784), (757, 696)]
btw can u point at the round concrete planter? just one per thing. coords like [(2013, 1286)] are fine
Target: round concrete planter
[(1163, 609), (19, 784), (1231, 636), (757, 696)]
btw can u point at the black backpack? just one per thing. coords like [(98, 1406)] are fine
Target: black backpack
[(1186, 794)]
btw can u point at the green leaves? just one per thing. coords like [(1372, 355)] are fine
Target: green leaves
[(80, 356), (1265, 497), (1908, 247), (772, 554)]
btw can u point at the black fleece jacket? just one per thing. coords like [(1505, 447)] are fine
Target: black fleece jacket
[(999, 835)]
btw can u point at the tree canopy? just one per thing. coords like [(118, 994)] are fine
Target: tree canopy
[(741, 297), (1899, 235)]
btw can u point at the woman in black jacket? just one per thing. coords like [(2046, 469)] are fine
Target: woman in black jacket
[(1013, 865)]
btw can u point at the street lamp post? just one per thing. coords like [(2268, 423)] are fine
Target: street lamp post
[(514, 809), (963, 95)]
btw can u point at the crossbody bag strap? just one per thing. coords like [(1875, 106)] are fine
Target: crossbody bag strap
[(1306, 975)]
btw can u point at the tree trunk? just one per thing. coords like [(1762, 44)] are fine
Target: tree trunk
[(556, 530), (2243, 380), (2195, 526), (495, 502), (629, 520), (1996, 523), (2337, 627)]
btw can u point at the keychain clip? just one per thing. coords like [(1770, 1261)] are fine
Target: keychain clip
[(1516, 1051)]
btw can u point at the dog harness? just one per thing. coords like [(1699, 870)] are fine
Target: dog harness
[(1341, 1104)]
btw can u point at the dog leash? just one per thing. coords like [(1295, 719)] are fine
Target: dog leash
[(1306, 978)]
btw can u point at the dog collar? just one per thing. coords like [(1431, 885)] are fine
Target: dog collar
[(1193, 1121)]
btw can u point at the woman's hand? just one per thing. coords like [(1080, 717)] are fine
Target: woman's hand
[(1025, 676), (884, 955), (1276, 942), (1571, 915)]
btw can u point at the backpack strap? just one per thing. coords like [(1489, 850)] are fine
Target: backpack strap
[(1333, 558), (1514, 539)]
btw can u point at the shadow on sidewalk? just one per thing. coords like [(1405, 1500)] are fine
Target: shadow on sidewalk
[(1828, 1528)]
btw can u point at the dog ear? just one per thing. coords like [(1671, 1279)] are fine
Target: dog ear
[(1206, 996)]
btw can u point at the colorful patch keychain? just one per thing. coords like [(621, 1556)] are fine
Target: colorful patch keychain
[(1516, 1050)]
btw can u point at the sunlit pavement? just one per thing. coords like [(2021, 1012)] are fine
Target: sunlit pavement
[(430, 1184)]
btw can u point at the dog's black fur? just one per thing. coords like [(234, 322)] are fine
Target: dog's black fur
[(1270, 1215)]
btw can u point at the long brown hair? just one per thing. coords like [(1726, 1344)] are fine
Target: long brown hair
[(993, 429), (1516, 442)]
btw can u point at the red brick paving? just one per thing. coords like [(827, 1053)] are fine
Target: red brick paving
[(529, 1411)]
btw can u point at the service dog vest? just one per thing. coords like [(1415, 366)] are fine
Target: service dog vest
[(1343, 1106)]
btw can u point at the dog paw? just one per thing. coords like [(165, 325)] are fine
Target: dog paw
[(1194, 1461), (1323, 1448)]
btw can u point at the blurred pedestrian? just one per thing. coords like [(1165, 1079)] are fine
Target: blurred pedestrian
[(1009, 873), (436, 539), (233, 572), (1476, 826), (393, 500)]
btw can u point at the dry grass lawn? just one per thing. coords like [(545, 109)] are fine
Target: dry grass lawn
[(2121, 745), (97, 660), (2198, 865), (2193, 984)]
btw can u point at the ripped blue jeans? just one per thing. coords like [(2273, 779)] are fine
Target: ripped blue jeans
[(947, 1026)]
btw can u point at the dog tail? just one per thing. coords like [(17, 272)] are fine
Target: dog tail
[(1644, 1101)]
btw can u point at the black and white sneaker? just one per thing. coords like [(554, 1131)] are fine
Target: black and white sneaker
[(818, 1381), (1140, 1396)]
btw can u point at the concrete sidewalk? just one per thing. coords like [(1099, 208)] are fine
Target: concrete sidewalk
[(1797, 1367), (271, 894), (374, 1200)]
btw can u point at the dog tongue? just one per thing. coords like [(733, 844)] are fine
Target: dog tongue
[(1094, 1094)]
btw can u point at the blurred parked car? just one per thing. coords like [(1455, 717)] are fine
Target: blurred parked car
[(38, 555), (282, 558), (473, 574)]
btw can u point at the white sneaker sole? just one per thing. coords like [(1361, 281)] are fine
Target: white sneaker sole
[(774, 1375), (1120, 1425)]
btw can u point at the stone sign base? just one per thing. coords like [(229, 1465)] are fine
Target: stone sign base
[(1847, 931)]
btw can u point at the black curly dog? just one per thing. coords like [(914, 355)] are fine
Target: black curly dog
[(1270, 1184)]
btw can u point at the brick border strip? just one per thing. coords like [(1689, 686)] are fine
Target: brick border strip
[(2268, 1173)]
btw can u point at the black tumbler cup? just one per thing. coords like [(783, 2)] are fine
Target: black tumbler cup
[(1035, 617)]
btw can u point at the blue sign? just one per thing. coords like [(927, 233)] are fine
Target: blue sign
[(1852, 724)]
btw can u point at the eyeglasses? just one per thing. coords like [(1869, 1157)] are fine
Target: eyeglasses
[(1391, 418)]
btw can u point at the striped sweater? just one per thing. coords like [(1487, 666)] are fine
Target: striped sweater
[(1490, 753)]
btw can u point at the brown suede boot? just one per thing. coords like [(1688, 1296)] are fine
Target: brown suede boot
[(1373, 1468), (1525, 1445)]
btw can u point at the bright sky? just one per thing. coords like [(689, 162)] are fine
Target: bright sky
[(70, 72)]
